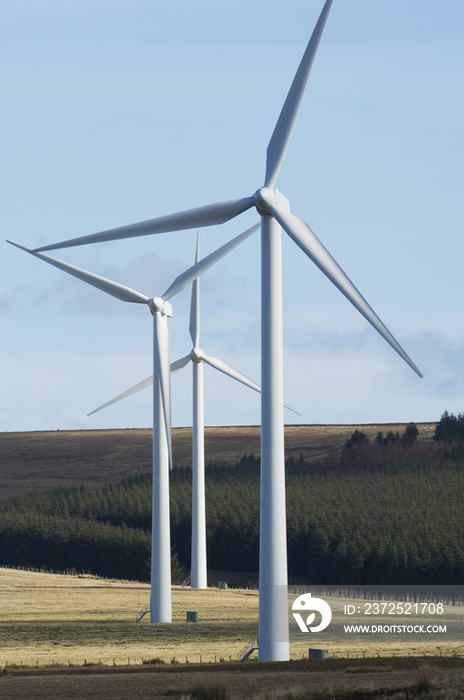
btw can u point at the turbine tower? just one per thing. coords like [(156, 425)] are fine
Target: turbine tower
[(275, 214), (198, 358), (160, 597)]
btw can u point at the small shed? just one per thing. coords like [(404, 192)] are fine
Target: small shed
[(316, 653), (192, 616), (222, 585)]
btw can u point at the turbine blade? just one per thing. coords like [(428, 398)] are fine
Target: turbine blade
[(280, 138), (209, 215), (165, 383), (200, 267), (194, 325), (312, 246), (116, 290), (230, 371), (286, 405), (133, 390), (179, 364), (235, 374), (175, 367)]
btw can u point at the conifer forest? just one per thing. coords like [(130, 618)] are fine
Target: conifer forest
[(389, 511)]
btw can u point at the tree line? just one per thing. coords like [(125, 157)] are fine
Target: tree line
[(389, 511), (395, 519)]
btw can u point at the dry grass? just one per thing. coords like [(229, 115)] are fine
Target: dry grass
[(53, 619), (369, 669), (43, 460), (222, 682)]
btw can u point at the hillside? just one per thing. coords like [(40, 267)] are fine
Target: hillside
[(347, 514), (44, 460)]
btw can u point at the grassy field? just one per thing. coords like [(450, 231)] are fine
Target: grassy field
[(43, 460), (50, 619), (76, 636)]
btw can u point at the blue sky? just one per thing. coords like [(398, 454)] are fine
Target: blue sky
[(116, 112)]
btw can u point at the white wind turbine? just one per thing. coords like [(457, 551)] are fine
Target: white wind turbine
[(198, 358), (160, 598), (274, 210)]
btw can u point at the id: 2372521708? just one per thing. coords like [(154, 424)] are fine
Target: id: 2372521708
[(393, 608)]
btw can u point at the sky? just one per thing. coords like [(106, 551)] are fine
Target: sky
[(114, 112)]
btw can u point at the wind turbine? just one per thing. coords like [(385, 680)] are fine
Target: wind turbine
[(198, 358), (275, 214), (160, 598)]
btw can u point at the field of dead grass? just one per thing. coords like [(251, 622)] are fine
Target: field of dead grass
[(281, 681), (289, 681), (48, 619)]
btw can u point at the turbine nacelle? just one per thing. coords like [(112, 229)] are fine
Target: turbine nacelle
[(265, 197), (158, 305), (197, 355)]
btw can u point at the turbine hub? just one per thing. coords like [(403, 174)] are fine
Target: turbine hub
[(157, 305), (196, 355), (264, 197)]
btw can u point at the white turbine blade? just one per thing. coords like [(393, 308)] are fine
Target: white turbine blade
[(311, 245), (230, 371), (179, 364), (283, 130), (194, 325), (165, 383), (200, 267), (286, 405), (133, 390), (235, 374), (116, 290), (209, 215), (175, 367)]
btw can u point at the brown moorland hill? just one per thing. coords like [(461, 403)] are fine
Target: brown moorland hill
[(47, 459)]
